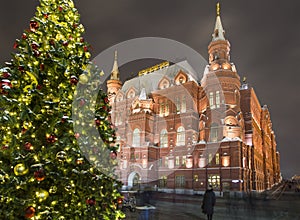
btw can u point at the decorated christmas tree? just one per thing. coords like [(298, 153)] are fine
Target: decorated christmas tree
[(57, 152)]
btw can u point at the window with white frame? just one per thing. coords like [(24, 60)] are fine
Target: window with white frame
[(177, 161), (164, 138), (161, 109), (183, 160), (136, 138), (211, 100), (214, 180), (166, 161), (167, 110), (218, 101), (217, 157), (180, 136), (180, 181), (214, 132), (162, 183)]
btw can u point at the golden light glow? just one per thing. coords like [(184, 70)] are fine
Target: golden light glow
[(225, 161), (20, 169), (218, 9), (189, 162), (202, 162)]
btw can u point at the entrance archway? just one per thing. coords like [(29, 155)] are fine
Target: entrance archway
[(134, 180)]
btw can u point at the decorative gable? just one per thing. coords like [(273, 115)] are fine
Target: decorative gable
[(164, 83), (181, 78)]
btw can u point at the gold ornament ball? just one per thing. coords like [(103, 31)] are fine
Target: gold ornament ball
[(80, 161), (42, 195), (2, 179), (61, 156), (53, 189), (20, 169), (83, 79)]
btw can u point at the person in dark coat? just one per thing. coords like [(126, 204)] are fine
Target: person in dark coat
[(208, 203)]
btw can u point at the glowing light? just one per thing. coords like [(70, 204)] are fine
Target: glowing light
[(189, 162), (225, 161), (202, 162)]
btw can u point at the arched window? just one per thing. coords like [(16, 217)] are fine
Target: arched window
[(164, 138), (136, 138), (180, 136)]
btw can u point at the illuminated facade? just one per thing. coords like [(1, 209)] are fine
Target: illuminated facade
[(180, 132)]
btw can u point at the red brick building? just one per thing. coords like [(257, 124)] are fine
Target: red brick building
[(179, 132)]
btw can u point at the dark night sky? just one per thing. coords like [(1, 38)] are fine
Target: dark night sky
[(264, 37)]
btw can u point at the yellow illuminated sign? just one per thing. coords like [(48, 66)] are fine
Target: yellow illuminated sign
[(154, 68)]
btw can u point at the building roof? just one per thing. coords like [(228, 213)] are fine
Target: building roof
[(150, 81)]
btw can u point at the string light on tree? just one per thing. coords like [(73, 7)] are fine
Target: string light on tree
[(43, 172)]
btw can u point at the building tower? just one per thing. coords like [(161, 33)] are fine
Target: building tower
[(221, 84), (114, 84)]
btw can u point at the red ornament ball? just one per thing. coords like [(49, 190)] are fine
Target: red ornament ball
[(39, 87), (60, 8), (39, 175), (64, 118), (65, 43), (28, 146), (79, 161), (21, 68), (4, 147), (77, 135), (24, 36), (6, 75), (15, 45), (73, 80), (113, 155), (24, 131), (29, 212), (52, 138), (5, 85), (91, 201), (36, 53), (42, 66), (34, 46), (52, 41), (97, 122), (34, 25)]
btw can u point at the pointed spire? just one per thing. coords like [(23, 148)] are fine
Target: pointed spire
[(218, 31), (115, 70), (143, 95)]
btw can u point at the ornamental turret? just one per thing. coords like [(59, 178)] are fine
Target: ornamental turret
[(114, 84)]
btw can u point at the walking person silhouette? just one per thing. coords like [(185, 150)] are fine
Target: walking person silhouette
[(208, 203)]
